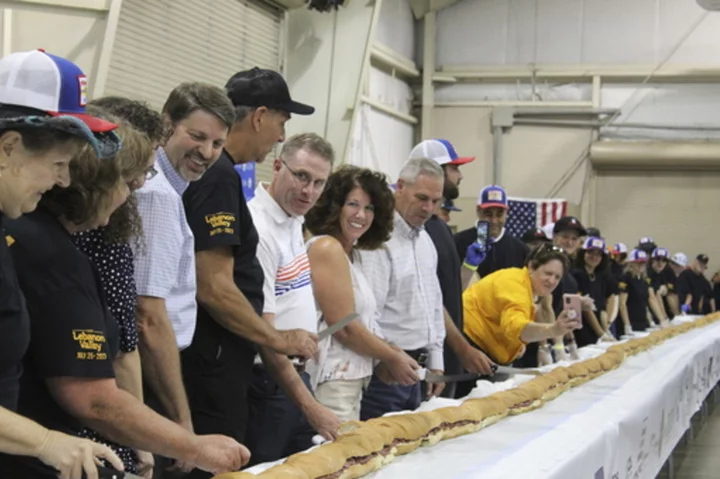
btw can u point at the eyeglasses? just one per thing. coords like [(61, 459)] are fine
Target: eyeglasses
[(545, 250), (149, 175), (305, 179)]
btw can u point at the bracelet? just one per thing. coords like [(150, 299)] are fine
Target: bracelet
[(469, 266), (558, 347)]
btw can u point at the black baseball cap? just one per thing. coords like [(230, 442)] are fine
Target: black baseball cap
[(703, 258), (534, 234), (260, 87), (569, 223), (593, 231)]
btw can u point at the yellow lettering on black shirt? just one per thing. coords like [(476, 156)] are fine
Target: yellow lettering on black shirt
[(90, 343), (9, 240), (220, 223)]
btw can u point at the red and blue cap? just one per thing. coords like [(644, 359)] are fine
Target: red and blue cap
[(594, 242), (36, 83), (660, 253), (637, 256), (442, 151), (493, 196)]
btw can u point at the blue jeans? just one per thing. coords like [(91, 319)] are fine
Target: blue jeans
[(276, 427), (381, 398)]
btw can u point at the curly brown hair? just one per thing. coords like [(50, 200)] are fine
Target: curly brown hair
[(94, 180), (125, 223), (324, 217)]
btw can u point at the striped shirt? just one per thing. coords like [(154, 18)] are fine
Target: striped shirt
[(165, 263), (283, 258), (403, 277)]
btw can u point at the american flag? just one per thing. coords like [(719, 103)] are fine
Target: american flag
[(526, 213)]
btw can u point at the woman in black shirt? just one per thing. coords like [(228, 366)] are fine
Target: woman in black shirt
[(35, 152), (591, 264), (109, 249), (70, 379), (637, 295)]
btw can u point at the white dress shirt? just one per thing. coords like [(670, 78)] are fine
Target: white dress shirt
[(403, 277)]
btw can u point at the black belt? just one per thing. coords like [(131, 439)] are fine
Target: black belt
[(419, 355)]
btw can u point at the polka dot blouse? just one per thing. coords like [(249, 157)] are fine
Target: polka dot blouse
[(114, 263)]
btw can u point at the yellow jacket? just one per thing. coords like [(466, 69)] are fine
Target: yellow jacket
[(497, 308)]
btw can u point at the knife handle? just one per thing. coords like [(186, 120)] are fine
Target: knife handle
[(106, 473)]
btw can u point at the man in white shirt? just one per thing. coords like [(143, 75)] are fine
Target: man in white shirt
[(199, 117), (403, 276), (284, 415)]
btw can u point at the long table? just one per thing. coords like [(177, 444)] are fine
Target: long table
[(623, 424)]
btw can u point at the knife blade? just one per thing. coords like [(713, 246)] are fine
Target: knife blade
[(330, 330), (298, 361), (431, 377)]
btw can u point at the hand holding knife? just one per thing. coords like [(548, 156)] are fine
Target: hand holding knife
[(329, 331)]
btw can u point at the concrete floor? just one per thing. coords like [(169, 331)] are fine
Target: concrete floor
[(700, 458)]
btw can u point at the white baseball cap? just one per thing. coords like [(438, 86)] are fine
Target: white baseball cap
[(442, 151), (548, 229), (679, 259)]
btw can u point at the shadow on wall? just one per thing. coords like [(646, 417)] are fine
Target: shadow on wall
[(303, 44)]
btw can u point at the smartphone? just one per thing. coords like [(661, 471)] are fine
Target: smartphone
[(482, 235), (574, 303)]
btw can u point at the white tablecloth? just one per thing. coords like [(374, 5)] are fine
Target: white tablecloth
[(623, 424)]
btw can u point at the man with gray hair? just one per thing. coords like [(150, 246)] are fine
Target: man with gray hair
[(404, 281)]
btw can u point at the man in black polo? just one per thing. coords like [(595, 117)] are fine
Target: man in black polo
[(218, 364), (504, 250), (458, 352)]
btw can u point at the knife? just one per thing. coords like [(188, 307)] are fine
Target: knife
[(337, 326), (430, 377), (298, 361)]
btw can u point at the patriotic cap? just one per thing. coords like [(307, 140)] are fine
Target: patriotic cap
[(679, 259), (439, 150), (620, 248), (48, 83), (660, 253), (645, 240), (637, 256), (493, 196), (593, 242)]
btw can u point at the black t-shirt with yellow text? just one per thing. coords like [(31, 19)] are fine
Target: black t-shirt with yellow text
[(637, 289), (218, 215), (73, 333)]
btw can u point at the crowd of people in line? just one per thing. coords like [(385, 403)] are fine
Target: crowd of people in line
[(153, 319)]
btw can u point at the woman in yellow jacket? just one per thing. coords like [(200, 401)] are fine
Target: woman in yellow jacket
[(500, 308)]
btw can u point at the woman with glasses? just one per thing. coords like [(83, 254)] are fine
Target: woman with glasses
[(591, 266), (637, 295), (37, 141), (354, 212), (500, 312), (108, 247)]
